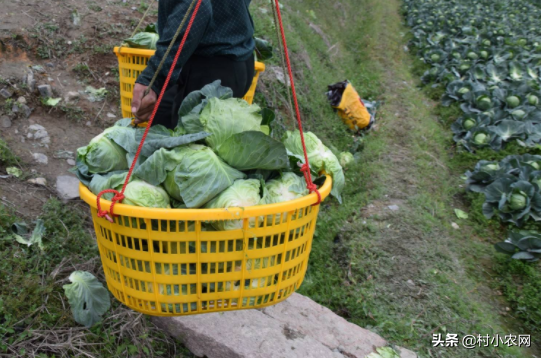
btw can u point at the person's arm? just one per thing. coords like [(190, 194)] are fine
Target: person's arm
[(143, 107)]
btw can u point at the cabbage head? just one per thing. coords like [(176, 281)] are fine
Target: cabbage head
[(472, 55), (469, 123), (519, 114), (102, 155), (241, 194), (534, 164), (533, 100), (345, 158), (481, 138), (140, 193), (518, 201), (483, 102), (512, 101), (287, 188), (491, 167), (144, 40), (321, 158)]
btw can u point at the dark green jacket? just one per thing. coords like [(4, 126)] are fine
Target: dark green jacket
[(221, 28)]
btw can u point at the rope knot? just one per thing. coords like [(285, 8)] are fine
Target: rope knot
[(313, 188), (118, 197), (305, 168)]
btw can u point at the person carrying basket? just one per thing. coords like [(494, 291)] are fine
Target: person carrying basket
[(220, 46)]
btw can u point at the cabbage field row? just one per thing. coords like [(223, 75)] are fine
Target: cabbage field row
[(486, 55)]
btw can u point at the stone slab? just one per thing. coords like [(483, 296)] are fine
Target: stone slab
[(296, 327)]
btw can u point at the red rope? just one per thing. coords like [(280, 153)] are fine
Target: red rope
[(120, 196), (305, 168)]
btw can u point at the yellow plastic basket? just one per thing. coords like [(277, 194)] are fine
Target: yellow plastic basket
[(133, 61), (160, 262)]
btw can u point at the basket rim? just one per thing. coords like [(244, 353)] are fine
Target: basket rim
[(206, 214), (123, 50)]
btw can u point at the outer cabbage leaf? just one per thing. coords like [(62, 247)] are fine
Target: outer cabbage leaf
[(519, 161), (521, 245), (199, 173), (484, 173), (113, 180), (88, 299), (194, 103), (161, 137), (253, 150), (124, 136), (264, 51), (224, 118), (508, 129), (21, 235), (321, 158)]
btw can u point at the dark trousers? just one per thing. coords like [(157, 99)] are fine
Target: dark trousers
[(198, 72)]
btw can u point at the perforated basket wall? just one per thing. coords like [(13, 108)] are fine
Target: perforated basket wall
[(163, 262), (133, 61)]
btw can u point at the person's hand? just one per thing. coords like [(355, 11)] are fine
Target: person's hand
[(142, 107)]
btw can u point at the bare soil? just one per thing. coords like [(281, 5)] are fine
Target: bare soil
[(42, 33)]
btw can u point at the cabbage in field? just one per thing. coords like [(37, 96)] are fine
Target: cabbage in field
[(490, 67)]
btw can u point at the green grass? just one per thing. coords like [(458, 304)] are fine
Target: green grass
[(7, 158), (520, 284), (82, 69), (32, 301)]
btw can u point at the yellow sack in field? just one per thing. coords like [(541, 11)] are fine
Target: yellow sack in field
[(348, 104)]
